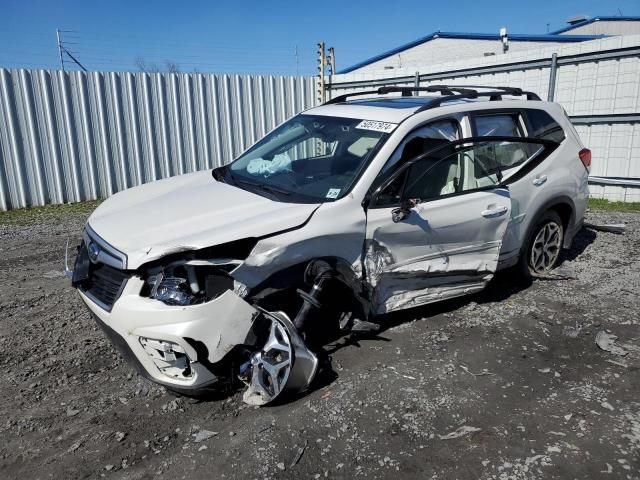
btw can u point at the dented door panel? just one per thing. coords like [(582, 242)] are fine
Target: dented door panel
[(444, 248)]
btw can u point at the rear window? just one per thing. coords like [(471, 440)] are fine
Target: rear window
[(542, 125)]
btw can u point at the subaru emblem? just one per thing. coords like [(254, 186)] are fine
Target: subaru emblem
[(93, 251)]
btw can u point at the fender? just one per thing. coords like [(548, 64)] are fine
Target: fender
[(548, 205)]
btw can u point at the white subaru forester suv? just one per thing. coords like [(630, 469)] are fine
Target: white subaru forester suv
[(368, 204)]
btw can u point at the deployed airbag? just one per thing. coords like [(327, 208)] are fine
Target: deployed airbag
[(280, 163)]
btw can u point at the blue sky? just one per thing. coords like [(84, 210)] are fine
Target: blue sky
[(258, 36)]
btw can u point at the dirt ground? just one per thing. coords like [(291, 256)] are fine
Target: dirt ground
[(507, 384)]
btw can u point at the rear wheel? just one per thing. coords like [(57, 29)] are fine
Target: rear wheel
[(542, 250)]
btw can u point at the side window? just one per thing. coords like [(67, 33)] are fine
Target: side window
[(419, 141), (472, 167), (504, 125), (392, 194), (542, 125), (435, 177), (498, 160), (423, 139), (510, 155)]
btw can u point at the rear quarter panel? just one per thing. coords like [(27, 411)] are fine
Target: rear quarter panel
[(567, 182)]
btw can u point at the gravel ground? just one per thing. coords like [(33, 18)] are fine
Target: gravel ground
[(505, 384)]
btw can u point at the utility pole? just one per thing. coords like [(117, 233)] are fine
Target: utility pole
[(332, 60), (325, 61), (60, 49), (63, 50)]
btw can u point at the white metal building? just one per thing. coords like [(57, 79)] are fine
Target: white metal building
[(439, 47), (611, 26)]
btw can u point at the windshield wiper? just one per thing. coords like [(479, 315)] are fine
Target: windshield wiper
[(262, 186)]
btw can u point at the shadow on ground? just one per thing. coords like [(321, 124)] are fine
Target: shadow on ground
[(504, 285)]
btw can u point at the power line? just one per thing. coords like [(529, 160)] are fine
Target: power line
[(111, 55), (62, 49)]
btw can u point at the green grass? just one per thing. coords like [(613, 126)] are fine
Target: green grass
[(600, 204), (47, 214)]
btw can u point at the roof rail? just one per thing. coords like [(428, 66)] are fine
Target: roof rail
[(343, 98), (443, 89), (437, 101), (449, 92), (508, 90)]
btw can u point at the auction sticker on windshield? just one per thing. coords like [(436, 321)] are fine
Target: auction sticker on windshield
[(333, 193), (377, 126)]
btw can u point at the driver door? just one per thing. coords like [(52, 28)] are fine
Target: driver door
[(435, 225)]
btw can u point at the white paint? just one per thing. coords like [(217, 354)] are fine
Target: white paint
[(133, 316), (188, 212), (446, 247)]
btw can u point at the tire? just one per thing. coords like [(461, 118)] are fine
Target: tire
[(542, 249)]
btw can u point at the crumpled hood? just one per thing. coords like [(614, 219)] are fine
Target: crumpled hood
[(188, 212)]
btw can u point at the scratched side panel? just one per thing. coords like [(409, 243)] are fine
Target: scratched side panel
[(443, 249)]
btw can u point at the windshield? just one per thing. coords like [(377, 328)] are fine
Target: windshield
[(309, 159)]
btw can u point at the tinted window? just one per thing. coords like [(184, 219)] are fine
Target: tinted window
[(440, 129), (542, 125), (502, 125)]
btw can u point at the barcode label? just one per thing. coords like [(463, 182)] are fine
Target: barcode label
[(377, 126)]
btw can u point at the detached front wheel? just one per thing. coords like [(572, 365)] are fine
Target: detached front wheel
[(544, 244)]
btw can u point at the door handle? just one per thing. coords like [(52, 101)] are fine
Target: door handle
[(494, 211), (539, 180)]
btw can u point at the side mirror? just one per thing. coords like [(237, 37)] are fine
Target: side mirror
[(403, 211)]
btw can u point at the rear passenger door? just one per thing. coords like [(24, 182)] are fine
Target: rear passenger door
[(530, 189)]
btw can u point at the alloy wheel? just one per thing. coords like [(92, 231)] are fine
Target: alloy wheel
[(270, 367), (545, 248)]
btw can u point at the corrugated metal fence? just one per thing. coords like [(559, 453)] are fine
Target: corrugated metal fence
[(597, 82), (75, 136)]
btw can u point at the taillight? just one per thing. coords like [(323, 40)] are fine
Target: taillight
[(585, 157)]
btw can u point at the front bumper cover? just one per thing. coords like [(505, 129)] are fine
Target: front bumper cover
[(123, 348), (206, 333)]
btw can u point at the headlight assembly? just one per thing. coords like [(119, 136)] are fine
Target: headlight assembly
[(173, 291), (188, 282)]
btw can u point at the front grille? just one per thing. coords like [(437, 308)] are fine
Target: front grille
[(104, 284)]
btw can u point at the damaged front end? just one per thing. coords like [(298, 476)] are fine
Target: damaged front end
[(187, 324)]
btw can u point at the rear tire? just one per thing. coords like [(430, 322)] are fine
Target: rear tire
[(542, 249)]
